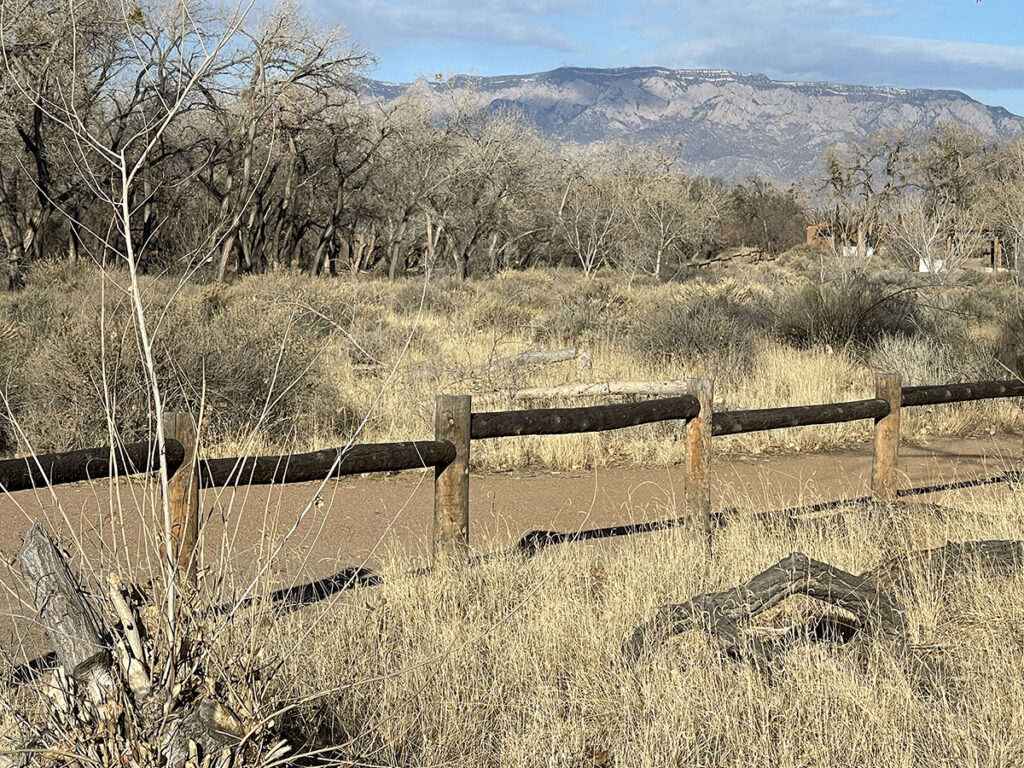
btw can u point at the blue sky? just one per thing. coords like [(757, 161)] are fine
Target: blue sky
[(961, 44)]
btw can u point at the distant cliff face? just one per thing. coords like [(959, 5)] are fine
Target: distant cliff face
[(730, 124)]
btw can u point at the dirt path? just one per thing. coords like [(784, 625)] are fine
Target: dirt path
[(365, 520), (371, 517)]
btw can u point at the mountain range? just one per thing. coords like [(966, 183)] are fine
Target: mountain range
[(730, 124)]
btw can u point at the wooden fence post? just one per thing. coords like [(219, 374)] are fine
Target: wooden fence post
[(451, 483), (698, 461), (888, 387), (183, 496)]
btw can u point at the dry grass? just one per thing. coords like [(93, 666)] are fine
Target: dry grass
[(517, 662), (287, 363)]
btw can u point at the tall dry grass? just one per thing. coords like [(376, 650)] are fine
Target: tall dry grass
[(517, 662), (283, 363)]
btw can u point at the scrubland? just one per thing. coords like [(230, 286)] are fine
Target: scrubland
[(517, 660), (282, 363)]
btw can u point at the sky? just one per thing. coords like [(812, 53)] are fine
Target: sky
[(970, 46)]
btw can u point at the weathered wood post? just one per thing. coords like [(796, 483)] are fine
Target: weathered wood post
[(451, 483), (183, 496), (888, 387), (698, 461)]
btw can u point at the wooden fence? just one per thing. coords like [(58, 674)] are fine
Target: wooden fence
[(456, 426)]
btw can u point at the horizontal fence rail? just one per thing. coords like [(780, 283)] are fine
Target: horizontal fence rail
[(961, 393), (319, 465), (88, 464), (456, 425), (566, 421), (762, 420)]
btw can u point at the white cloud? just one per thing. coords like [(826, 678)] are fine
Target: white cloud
[(843, 56), (377, 22)]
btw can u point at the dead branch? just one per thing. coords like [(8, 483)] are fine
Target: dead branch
[(867, 596), (721, 613), (663, 388), (998, 557), (69, 621), (73, 626), (528, 359)]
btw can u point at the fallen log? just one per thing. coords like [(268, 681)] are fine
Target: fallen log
[(998, 557), (869, 596), (662, 388), (530, 359), (722, 613), (71, 624)]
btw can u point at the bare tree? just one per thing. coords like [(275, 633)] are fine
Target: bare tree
[(864, 179), (934, 239)]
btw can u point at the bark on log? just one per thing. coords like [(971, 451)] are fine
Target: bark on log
[(560, 421), (998, 557), (531, 359), (961, 393), (305, 467), (89, 464), (660, 388), (73, 628), (721, 613), (70, 622), (868, 596), (761, 420)]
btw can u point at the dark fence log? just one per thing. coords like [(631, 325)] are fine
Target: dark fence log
[(306, 467), (562, 421), (961, 393), (89, 464), (738, 422)]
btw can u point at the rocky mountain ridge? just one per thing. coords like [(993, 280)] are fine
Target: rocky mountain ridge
[(730, 124)]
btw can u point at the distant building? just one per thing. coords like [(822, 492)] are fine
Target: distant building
[(824, 235)]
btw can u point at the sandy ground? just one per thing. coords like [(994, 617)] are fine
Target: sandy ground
[(364, 520)]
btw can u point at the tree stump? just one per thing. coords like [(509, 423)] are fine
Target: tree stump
[(85, 652)]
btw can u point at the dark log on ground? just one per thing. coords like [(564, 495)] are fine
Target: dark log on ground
[(560, 421), (961, 393), (318, 465), (738, 422), (998, 557), (89, 464)]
